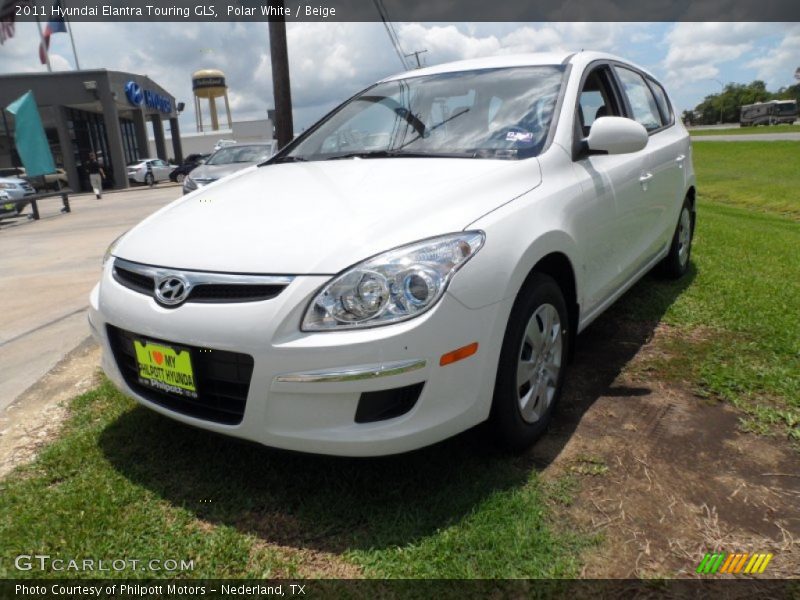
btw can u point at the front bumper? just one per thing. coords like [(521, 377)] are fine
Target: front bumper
[(305, 387)]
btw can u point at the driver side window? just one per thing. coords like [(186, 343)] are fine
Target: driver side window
[(596, 99)]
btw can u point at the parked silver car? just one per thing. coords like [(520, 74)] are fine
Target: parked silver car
[(225, 161), (16, 188)]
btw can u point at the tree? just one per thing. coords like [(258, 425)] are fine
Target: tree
[(726, 105)]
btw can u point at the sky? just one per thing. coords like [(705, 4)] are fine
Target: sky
[(329, 62)]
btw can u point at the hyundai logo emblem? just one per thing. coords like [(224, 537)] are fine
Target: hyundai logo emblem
[(171, 290), (134, 93)]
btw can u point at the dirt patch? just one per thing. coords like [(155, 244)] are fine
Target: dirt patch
[(665, 476), (308, 564), (36, 416)]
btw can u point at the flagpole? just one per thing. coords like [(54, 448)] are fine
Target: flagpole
[(72, 39), (46, 49)]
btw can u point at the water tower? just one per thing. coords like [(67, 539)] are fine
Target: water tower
[(210, 83)]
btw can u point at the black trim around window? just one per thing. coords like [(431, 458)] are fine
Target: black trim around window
[(669, 119)]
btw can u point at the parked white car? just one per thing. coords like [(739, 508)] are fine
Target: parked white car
[(417, 262), (158, 170)]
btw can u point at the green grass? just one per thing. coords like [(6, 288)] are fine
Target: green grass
[(760, 176), (124, 482), (746, 130), (738, 327)]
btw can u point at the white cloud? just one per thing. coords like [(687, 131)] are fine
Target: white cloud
[(778, 65), (695, 50), (447, 43)]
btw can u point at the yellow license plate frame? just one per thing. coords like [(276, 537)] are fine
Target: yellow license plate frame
[(165, 368)]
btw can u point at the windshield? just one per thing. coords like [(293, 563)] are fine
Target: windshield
[(787, 107), (240, 154), (496, 113)]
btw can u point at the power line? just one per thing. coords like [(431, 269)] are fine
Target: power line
[(390, 32)]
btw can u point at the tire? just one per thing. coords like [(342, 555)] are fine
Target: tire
[(149, 179), (179, 178), (676, 263), (521, 407)]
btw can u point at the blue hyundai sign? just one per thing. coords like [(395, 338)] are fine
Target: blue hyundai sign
[(137, 96), (133, 91)]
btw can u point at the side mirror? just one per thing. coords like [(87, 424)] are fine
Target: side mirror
[(616, 135)]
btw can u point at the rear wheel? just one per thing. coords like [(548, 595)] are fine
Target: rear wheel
[(530, 374), (180, 177), (676, 263), (149, 179)]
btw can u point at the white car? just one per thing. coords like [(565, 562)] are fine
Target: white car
[(417, 262), (149, 170)]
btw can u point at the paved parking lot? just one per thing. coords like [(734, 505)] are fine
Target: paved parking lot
[(47, 269), (748, 137)]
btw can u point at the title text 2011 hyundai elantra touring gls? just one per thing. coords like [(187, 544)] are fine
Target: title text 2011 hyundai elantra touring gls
[(417, 262)]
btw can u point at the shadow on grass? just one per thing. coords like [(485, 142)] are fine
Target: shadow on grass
[(336, 504), (601, 353)]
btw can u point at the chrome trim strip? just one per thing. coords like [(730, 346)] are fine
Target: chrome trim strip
[(194, 278), (357, 373)]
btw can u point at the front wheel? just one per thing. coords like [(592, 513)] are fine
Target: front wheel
[(676, 263), (530, 373)]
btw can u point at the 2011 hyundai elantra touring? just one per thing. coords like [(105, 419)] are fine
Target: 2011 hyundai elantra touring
[(417, 262)]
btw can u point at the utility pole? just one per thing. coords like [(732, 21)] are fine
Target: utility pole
[(284, 129), (416, 55)]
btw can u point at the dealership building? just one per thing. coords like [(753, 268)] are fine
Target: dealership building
[(106, 112)]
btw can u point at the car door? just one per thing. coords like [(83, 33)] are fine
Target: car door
[(669, 155), (611, 192), (160, 170), (646, 215)]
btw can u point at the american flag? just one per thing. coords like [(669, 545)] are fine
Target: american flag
[(8, 11)]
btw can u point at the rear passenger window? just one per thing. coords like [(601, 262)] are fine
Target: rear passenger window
[(663, 103), (643, 104)]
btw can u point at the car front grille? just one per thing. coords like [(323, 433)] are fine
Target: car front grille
[(205, 287), (222, 379)]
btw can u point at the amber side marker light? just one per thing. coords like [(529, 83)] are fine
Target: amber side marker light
[(458, 354)]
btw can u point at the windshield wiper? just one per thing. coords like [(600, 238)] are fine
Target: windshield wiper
[(402, 154), (284, 159)]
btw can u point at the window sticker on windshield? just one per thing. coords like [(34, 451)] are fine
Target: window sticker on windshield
[(519, 136)]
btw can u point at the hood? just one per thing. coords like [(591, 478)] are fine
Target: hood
[(321, 217), (15, 181), (215, 172)]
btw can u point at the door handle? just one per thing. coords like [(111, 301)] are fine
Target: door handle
[(644, 178), (679, 159)]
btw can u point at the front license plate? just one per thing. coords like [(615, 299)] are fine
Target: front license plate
[(9, 206), (165, 368)]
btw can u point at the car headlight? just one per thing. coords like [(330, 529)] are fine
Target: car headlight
[(391, 287), (110, 250), (7, 186)]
